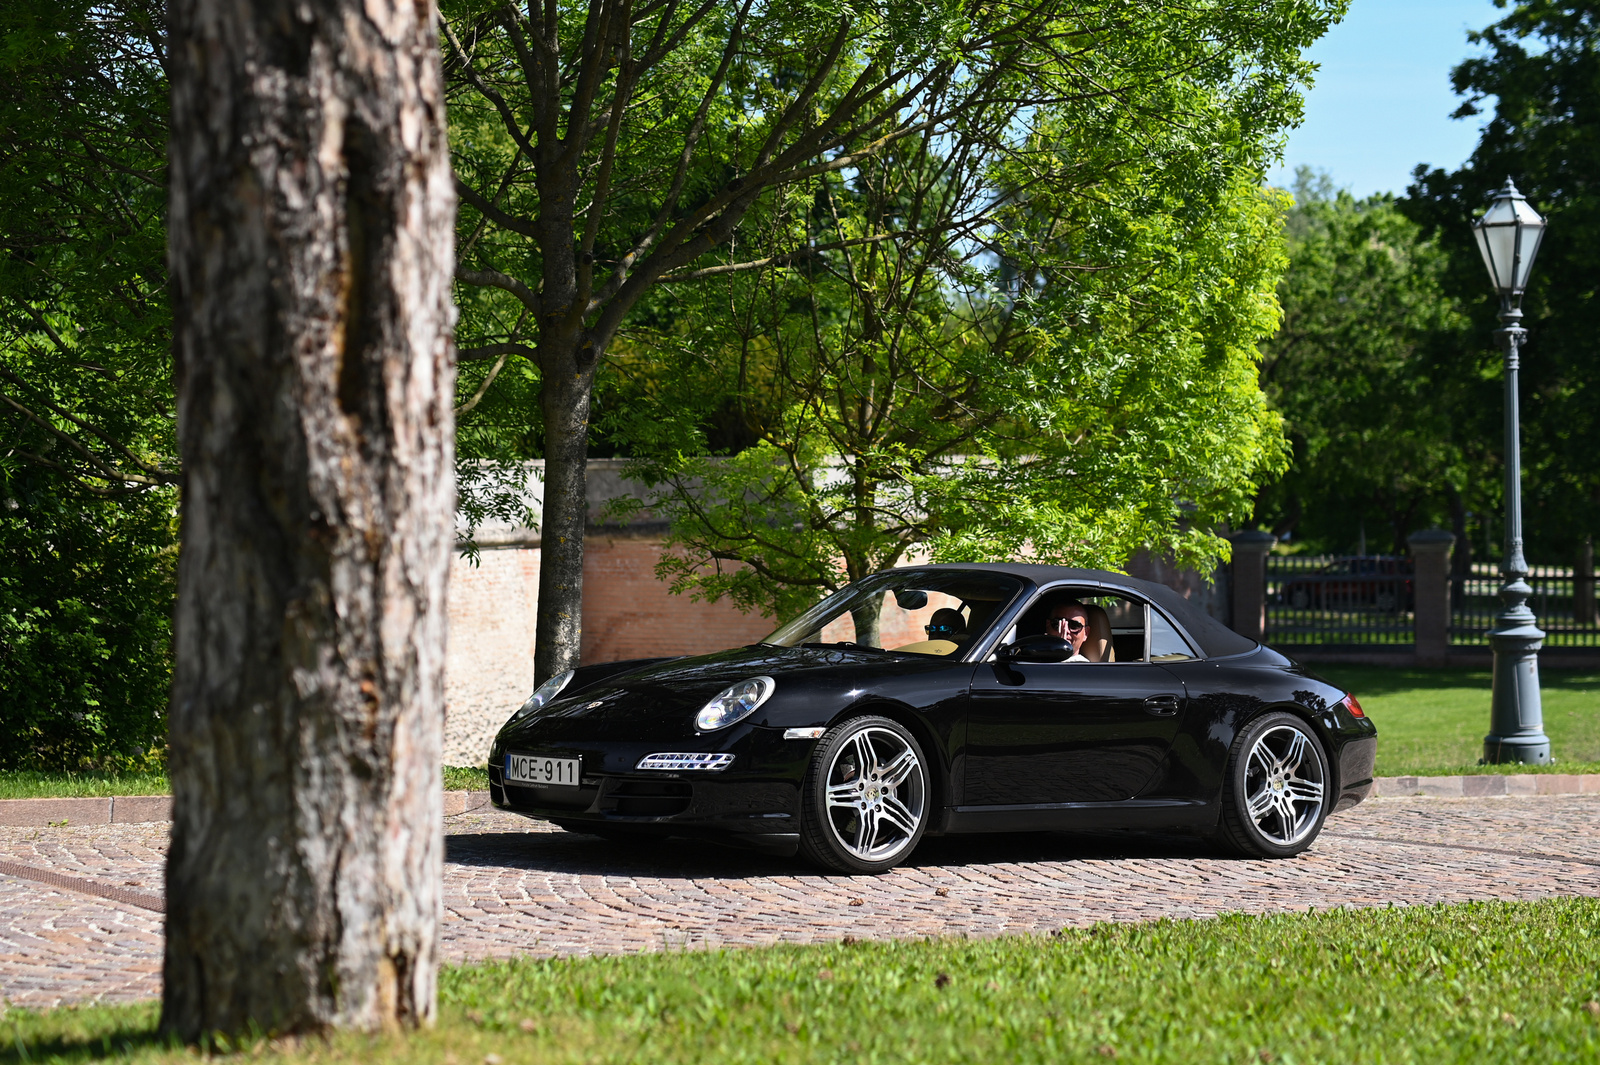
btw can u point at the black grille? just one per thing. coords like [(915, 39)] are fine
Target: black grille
[(649, 798)]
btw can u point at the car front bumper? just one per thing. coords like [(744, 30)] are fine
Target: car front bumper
[(755, 801)]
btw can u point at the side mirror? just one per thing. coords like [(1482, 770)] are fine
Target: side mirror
[(1036, 649)]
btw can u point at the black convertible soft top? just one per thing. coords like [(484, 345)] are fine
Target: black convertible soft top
[(1216, 639)]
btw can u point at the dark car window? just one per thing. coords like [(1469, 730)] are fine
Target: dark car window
[(912, 611), (1166, 645)]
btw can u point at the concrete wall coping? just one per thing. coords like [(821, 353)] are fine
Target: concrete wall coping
[(1432, 540), (144, 809)]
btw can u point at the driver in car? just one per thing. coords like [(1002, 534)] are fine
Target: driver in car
[(1070, 621)]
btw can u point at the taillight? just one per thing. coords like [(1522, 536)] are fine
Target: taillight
[(1352, 704)]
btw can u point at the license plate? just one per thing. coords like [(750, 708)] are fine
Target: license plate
[(537, 769)]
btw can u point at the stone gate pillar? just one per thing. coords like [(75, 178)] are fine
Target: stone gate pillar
[(1430, 551), (1250, 549)]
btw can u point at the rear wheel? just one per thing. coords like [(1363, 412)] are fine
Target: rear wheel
[(1275, 797), (865, 805)]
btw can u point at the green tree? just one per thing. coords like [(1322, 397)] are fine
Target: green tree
[(1365, 370), (605, 150), (87, 472), (1072, 379), (1541, 69)]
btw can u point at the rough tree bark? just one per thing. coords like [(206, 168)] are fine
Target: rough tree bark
[(310, 244)]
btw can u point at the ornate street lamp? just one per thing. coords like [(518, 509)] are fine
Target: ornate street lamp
[(1508, 236)]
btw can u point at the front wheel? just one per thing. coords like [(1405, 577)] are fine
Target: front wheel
[(865, 805), (1275, 797)]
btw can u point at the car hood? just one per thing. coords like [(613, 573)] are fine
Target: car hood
[(658, 700)]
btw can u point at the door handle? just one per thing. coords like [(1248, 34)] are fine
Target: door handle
[(1161, 705)]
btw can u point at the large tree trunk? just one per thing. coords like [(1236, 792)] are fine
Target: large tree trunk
[(558, 630), (311, 247)]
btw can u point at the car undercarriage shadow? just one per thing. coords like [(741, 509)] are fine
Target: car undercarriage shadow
[(575, 853)]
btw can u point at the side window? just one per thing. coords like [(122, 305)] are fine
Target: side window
[(1117, 625), (1165, 643)]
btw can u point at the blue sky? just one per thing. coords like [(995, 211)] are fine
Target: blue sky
[(1382, 100)]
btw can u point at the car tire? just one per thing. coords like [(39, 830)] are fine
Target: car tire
[(1275, 794), (1386, 602), (866, 800), (1300, 599)]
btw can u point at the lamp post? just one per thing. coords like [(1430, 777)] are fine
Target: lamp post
[(1508, 237)]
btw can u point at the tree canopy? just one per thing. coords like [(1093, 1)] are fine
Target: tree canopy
[(87, 469), (1384, 418), (1088, 170), (1541, 69)]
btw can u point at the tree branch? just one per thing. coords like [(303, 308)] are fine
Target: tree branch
[(495, 279)]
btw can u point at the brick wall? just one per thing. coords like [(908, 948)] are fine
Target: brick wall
[(628, 613)]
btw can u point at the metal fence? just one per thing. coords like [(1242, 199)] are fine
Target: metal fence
[(1326, 600), (1475, 600)]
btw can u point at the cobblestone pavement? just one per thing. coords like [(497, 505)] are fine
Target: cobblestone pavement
[(519, 887)]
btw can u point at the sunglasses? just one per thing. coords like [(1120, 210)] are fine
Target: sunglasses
[(1072, 624), (939, 630)]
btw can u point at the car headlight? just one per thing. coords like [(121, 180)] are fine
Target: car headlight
[(543, 694), (734, 703)]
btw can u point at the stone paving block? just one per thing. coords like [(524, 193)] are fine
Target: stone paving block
[(140, 809), (460, 802), (41, 813), (1485, 784)]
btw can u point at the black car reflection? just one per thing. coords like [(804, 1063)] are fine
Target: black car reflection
[(933, 700)]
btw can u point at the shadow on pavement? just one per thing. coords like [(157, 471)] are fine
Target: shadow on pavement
[(579, 854)]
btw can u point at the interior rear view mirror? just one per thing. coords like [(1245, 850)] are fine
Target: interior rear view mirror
[(911, 598)]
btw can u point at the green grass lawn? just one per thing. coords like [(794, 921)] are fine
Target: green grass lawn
[(1431, 722), (1483, 982), (26, 784)]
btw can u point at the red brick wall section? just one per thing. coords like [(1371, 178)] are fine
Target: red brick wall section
[(628, 613)]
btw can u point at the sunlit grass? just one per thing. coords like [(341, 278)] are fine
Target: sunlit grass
[(28, 784), (1431, 722), (1468, 983)]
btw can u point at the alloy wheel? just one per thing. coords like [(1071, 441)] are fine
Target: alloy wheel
[(876, 794), (1284, 786)]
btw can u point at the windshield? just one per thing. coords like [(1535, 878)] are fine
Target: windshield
[(914, 611)]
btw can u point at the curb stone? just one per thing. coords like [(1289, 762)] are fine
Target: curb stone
[(1484, 784), (143, 809)]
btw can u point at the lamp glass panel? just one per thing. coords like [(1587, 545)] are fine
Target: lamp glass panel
[(1483, 249), (1502, 244), (1531, 235)]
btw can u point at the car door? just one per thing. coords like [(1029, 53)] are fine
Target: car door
[(1068, 732)]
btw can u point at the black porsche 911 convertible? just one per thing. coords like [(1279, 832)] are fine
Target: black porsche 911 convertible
[(945, 699)]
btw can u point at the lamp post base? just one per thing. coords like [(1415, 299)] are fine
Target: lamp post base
[(1516, 721)]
